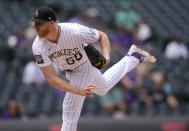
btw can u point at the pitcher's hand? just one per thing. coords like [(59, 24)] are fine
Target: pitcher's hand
[(86, 91)]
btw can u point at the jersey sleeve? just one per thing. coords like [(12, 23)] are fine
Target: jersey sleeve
[(87, 34), (41, 55)]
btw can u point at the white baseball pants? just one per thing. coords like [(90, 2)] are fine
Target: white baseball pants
[(86, 74)]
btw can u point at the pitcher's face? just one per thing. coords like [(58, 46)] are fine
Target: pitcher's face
[(42, 28)]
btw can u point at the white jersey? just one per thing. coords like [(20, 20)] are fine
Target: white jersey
[(68, 53)]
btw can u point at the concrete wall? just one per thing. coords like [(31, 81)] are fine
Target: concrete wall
[(96, 124)]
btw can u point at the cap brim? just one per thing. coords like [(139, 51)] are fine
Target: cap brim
[(37, 20)]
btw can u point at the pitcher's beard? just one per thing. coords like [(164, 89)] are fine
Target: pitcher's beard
[(41, 35)]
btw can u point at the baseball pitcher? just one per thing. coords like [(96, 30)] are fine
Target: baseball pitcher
[(65, 44)]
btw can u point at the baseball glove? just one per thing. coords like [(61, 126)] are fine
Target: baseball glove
[(96, 58)]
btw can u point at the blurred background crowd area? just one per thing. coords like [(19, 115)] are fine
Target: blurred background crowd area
[(158, 26)]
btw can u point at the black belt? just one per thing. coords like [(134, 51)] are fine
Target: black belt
[(68, 70)]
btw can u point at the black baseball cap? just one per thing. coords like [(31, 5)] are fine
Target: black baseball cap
[(44, 13)]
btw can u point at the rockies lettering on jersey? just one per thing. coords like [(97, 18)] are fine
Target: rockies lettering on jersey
[(68, 53)]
